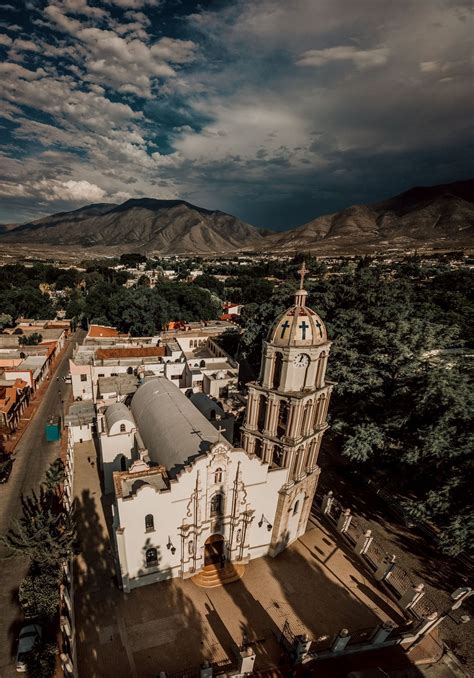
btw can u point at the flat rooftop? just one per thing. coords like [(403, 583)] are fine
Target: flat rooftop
[(80, 413)]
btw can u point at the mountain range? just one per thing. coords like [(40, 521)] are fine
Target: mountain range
[(438, 217)]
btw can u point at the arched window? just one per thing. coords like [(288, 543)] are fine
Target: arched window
[(191, 547), (122, 428), (149, 523), (278, 456), (296, 507), (239, 536), (202, 363), (277, 365), (123, 463), (262, 411), (151, 556), (217, 502), (282, 418), (218, 475)]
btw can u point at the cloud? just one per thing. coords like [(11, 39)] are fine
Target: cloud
[(134, 4), (25, 45), (121, 59), (273, 110), (429, 66), (361, 58)]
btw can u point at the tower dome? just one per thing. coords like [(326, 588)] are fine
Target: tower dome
[(298, 325)]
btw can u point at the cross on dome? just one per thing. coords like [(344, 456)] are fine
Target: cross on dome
[(303, 271)]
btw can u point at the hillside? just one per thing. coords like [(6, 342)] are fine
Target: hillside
[(435, 216), (440, 217), (162, 226)]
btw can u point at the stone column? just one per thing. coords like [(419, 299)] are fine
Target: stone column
[(293, 428), (340, 641), (382, 632), (252, 410), (250, 445), (313, 451), (267, 452), (344, 521), (327, 502), (363, 543), (299, 470)]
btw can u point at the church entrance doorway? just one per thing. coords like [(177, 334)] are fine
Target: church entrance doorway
[(214, 551)]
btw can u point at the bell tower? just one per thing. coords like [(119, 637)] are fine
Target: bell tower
[(287, 411)]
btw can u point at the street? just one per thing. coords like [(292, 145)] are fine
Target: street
[(32, 457)]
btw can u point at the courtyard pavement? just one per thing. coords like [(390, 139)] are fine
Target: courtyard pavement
[(175, 625)]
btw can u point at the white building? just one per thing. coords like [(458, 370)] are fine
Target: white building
[(186, 500)]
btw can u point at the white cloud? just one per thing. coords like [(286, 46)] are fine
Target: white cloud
[(124, 61), (70, 191), (25, 45), (367, 58)]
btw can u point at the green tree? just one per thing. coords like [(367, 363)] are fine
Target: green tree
[(39, 591), (31, 339), (45, 533)]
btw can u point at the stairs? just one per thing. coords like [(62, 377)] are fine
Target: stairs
[(212, 576)]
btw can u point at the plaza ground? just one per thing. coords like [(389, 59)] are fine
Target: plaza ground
[(175, 625)]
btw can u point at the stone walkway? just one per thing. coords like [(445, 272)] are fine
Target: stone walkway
[(176, 625)]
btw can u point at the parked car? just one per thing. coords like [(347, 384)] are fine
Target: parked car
[(29, 634), (68, 379), (6, 465)]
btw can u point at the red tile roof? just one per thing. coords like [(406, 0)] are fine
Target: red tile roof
[(102, 331), (117, 353)]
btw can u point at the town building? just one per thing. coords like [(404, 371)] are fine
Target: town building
[(190, 358), (185, 498)]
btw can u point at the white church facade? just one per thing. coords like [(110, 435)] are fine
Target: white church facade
[(185, 498)]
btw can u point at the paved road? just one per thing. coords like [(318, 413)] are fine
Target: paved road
[(33, 455)]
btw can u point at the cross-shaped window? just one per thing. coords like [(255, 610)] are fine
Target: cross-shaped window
[(303, 327), (283, 328)]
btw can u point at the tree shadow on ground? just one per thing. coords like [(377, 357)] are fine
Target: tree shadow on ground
[(127, 634)]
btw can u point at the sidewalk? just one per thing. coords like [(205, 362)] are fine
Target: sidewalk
[(35, 401)]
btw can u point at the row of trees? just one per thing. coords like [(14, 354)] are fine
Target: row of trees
[(45, 535), (402, 407)]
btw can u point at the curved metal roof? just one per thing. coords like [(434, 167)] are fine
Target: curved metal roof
[(117, 412), (172, 428)]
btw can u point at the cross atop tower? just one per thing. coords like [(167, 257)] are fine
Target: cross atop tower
[(303, 271)]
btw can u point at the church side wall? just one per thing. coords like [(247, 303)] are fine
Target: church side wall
[(112, 449)]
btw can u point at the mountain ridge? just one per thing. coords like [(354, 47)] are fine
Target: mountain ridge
[(422, 216)]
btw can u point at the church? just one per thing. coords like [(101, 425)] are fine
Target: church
[(185, 499)]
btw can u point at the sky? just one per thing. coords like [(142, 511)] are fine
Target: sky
[(276, 111)]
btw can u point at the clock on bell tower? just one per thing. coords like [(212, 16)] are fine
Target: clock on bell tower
[(287, 410)]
